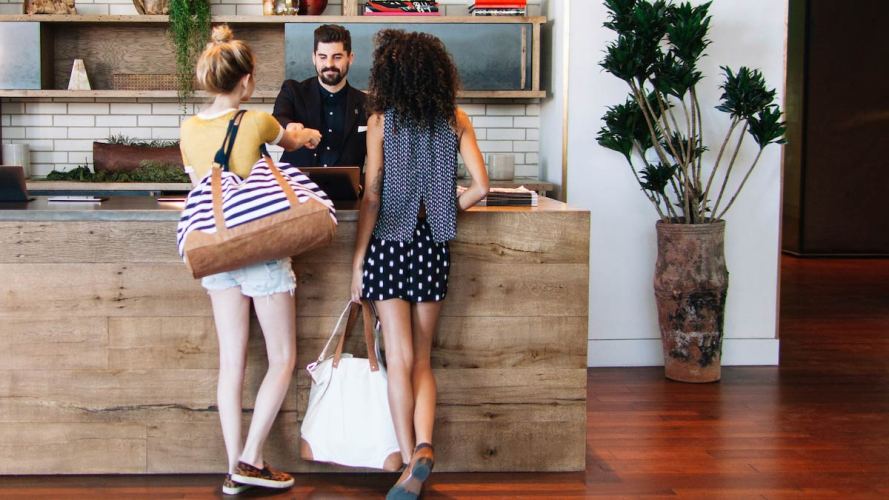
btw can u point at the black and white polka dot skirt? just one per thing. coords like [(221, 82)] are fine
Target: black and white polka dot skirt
[(416, 270)]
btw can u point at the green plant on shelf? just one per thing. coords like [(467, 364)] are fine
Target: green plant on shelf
[(189, 31), (148, 171)]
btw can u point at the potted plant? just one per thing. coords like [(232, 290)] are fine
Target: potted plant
[(189, 31), (120, 153), (658, 130)]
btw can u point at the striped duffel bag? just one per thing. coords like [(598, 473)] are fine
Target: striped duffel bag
[(229, 223)]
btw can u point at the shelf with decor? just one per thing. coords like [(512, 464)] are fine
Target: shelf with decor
[(261, 94), (146, 19), (497, 58)]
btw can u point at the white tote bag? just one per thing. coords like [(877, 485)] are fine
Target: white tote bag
[(348, 420)]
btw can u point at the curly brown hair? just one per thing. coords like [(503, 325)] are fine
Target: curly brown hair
[(413, 74)]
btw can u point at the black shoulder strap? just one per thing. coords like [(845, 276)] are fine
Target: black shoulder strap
[(225, 151)]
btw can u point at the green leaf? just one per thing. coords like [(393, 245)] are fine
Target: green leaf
[(744, 94), (674, 77), (766, 127), (641, 27), (656, 177), (620, 14), (687, 31), (625, 126)]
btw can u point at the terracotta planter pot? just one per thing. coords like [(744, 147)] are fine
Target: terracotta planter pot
[(115, 157), (690, 285)]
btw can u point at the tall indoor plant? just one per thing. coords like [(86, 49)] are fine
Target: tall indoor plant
[(659, 131), (189, 31)]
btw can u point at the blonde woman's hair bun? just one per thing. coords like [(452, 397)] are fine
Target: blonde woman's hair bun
[(222, 34), (224, 62)]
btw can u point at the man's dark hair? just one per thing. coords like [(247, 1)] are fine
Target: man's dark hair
[(333, 33)]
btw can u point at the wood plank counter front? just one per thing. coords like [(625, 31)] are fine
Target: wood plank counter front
[(109, 352)]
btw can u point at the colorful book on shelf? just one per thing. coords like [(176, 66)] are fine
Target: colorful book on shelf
[(407, 13), (498, 12), (396, 7), (499, 3), (498, 7)]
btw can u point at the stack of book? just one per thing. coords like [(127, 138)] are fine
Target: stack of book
[(507, 197), (498, 7), (400, 8)]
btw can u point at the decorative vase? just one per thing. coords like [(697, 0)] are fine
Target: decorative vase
[(690, 285), (312, 7), (18, 155), (501, 166), (79, 80), (152, 7), (350, 7)]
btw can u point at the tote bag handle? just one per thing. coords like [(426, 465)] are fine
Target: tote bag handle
[(370, 337)]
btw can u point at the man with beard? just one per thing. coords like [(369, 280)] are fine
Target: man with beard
[(327, 103)]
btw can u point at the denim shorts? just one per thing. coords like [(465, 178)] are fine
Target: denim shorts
[(257, 280)]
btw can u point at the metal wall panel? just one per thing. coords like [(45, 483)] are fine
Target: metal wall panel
[(488, 56)]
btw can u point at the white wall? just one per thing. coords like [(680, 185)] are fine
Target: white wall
[(552, 112), (623, 323)]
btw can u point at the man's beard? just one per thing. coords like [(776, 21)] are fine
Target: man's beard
[(334, 77)]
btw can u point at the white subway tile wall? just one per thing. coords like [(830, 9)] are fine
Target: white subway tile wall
[(68, 128), (60, 131)]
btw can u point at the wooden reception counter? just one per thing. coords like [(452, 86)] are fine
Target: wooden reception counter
[(109, 352)]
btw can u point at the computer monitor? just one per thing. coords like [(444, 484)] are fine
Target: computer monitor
[(340, 183), (12, 185)]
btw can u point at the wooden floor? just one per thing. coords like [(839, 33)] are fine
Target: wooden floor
[(818, 427)]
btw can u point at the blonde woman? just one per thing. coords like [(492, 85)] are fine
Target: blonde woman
[(226, 70)]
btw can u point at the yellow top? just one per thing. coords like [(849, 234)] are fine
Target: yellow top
[(201, 136)]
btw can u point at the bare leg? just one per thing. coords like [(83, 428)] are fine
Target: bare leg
[(277, 317), (395, 317), (424, 319), (231, 311)]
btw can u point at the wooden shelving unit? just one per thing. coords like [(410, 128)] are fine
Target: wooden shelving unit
[(138, 44), (282, 19), (260, 94)]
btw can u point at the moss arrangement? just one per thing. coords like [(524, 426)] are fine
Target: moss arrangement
[(148, 171)]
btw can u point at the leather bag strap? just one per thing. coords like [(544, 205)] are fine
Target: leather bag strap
[(370, 338), (369, 316), (350, 324), (285, 186)]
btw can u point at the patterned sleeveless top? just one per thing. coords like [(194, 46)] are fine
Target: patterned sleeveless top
[(419, 164)]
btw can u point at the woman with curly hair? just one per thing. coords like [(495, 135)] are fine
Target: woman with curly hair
[(408, 214)]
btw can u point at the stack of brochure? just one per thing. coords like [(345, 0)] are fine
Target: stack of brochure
[(400, 8), (498, 7), (507, 197)]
